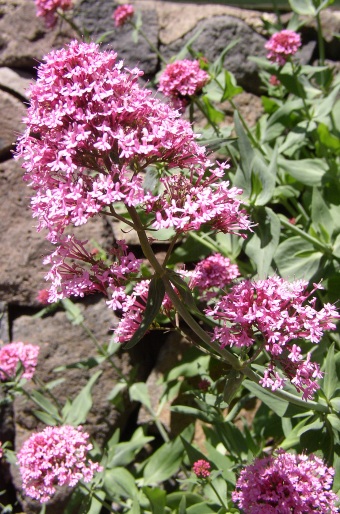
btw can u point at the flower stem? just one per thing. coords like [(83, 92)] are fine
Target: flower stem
[(317, 244)]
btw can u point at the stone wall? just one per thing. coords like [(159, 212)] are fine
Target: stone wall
[(23, 42)]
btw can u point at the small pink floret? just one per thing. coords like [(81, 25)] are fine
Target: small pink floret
[(14, 353), (201, 468), (286, 483), (181, 80), (282, 45), (122, 14), (54, 457)]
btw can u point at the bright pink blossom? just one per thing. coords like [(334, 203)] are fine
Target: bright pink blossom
[(213, 272), (42, 296), (48, 8), (13, 354), (133, 309), (286, 484), (272, 313), (182, 79), (282, 45), (122, 14), (91, 131), (54, 457), (201, 468)]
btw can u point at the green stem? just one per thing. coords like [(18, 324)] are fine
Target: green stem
[(321, 44), (100, 500), (71, 23), (317, 245), (196, 101), (225, 505), (301, 93), (228, 357), (151, 45)]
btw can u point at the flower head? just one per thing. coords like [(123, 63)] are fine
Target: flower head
[(13, 354), (282, 45), (284, 484), (55, 456), (182, 79), (48, 8), (122, 14), (90, 129), (201, 468), (215, 271), (273, 313)]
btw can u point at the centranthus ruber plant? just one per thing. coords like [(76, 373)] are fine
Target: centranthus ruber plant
[(261, 374)]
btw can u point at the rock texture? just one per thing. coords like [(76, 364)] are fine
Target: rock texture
[(24, 40)]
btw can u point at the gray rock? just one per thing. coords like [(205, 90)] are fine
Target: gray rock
[(12, 111), (15, 82), (96, 16), (215, 35)]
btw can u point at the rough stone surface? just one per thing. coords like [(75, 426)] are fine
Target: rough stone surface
[(15, 82), (12, 112), (215, 34), (97, 17)]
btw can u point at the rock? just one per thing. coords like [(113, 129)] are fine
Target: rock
[(12, 112), (214, 35), (96, 16), (24, 38), (15, 82), (22, 272)]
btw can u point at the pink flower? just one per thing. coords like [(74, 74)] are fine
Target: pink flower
[(282, 45), (215, 271), (204, 385), (286, 483), (13, 354), (272, 313), (122, 14), (55, 457), (42, 296), (182, 79), (274, 81), (48, 8), (201, 468), (133, 310), (91, 132)]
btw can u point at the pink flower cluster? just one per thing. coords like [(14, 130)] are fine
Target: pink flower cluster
[(214, 272), (91, 131), (13, 354), (54, 457), (48, 8), (182, 79), (122, 14), (284, 484), (273, 313), (282, 45), (201, 468)]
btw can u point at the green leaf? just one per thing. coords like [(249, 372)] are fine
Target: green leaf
[(278, 405), (320, 213), (192, 411), (45, 404), (165, 462), (78, 409), (139, 393), (327, 139), (182, 506), (293, 438), (202, 508), (153, 304), (119, 482), (334, 421), (324, 107), (157, 499), (232, 384), (296, 257), (221, 462), (262, 244), (122, 454), (307, 171), (174, 500), (231, 89), (304, 7), (45, 418), (330, 379)]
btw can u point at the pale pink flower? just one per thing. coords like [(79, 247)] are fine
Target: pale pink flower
[(133, 309), (122, 14), (48, 8), (91, 131), (282, 45), (286, 483), (54, 457), (181, 80), (14, 354), (272, 313), (201, 468)]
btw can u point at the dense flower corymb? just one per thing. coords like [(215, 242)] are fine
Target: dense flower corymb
[(286, 484), (273, 313), (48, 8), (201, 468), (13, 354), (182, 79), (282, 45), (55, 456), (90, 130), (122, 14)]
